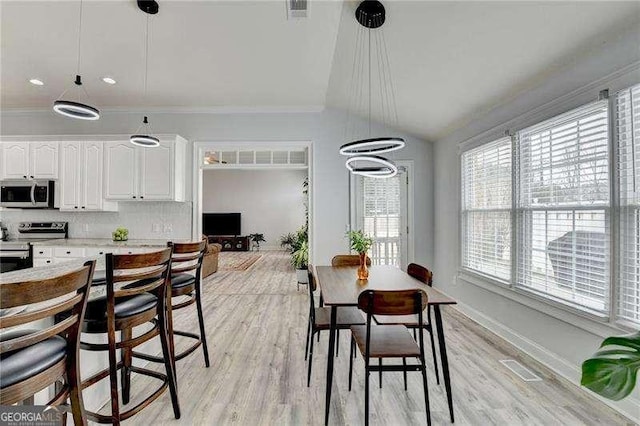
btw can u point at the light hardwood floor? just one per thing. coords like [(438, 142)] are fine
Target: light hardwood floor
[(256, 325)]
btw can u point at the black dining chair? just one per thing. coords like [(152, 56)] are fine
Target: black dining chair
[(389, 341), (411, 321), (320, 319)]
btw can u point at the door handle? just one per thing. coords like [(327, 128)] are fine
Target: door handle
[(33, 194)]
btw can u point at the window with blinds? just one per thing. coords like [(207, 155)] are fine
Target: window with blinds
[(486, 209), (382, 218), (563, 207), (627, 122)]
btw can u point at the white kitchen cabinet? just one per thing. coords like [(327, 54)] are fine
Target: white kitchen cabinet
[(81, 177), (43, 261), (135, 173), (29, 160)]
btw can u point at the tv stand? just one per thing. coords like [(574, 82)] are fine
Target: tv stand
[(230, 242)]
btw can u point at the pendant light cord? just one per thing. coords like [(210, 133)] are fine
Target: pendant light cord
[(146, 57), (79, 36)]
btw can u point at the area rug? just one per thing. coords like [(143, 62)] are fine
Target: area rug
[(237, 261)]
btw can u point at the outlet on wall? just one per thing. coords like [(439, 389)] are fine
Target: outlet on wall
[(168, 227), (155, 228), (85, 227)]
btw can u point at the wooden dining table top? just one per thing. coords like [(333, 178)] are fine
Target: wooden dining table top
[(340, 285)]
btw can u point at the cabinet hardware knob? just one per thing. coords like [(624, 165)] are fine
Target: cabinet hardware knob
[(25, 176), (101, 252), (31, 177), (142, 196), (83, 207), (134, 196), (75, 207), (68, 252)]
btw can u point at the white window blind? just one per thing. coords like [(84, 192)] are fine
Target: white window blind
[(486, 209), (627, 122), (563, 208), (382, 218)]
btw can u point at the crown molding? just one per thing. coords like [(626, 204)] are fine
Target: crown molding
[(185, 110)]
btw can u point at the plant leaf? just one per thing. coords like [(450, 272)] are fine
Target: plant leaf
[(612, 372)]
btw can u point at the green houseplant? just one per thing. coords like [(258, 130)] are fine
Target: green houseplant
[(612, 371), (257, 239), (361, 244)]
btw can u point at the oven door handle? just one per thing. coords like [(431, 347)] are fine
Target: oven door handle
[(33, 194)]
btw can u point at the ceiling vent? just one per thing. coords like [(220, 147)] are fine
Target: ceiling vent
[(297, 8)]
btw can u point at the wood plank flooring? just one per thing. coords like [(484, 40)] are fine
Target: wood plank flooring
[(256, 328)]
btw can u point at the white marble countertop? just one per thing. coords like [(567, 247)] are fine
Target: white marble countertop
[(100, 242)]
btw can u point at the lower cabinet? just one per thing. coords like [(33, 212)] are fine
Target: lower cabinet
[(48, 255)]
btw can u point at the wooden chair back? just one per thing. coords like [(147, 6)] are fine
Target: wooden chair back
[(392, 302), (348, 260), (148, 271), (187, 257), (421, 273), (75, 285)]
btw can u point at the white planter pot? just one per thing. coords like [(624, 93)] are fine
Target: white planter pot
[(302, 275)]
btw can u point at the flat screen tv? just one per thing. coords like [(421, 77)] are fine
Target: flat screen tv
[(221, 223)]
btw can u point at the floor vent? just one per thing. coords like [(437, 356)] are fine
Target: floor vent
[(520, 370)]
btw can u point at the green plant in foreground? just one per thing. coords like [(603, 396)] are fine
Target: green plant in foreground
[(360, 243), (611, 372), (300, 257)]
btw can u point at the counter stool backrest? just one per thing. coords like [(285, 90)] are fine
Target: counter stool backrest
[(149, 271), (45, 290), (187, 257)]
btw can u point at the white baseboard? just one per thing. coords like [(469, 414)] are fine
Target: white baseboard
[(629, 407)]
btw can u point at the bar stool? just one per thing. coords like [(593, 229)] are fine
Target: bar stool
[(136, 294), (32, 360), (185, 281)]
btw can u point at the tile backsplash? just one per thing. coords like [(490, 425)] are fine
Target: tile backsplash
[(148, 220)]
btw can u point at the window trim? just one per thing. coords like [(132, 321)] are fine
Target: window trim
[(582, 318)]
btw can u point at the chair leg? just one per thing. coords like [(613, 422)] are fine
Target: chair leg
[(337, 341), (351, 356), (113, 378), (435, 359), (366, 397), (169, 363), (404, 372), (306, 346), (125, 372), (310, 360), (426, 393), (203, 334), (380, 372)]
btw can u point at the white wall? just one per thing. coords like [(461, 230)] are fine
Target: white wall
[(271, 202), (562, 340), (324, 129)]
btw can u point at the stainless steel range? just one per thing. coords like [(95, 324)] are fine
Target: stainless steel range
[(18, 253)]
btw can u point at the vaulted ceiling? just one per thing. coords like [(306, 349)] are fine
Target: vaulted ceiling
[(450, 60)]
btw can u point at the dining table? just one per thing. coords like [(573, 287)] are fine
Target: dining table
[(340, 286)]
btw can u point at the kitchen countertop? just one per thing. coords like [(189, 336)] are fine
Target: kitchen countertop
[(42, 272), (100, 242)]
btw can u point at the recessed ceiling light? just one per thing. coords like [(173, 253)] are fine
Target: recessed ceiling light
[(108, 80), (36, 82)]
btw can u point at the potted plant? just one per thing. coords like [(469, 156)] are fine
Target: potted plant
[(288, 241), (361, 244), (612, 372), (300, 261), (257, 239)]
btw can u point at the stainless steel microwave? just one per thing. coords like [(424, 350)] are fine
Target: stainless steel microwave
[(27, 194)]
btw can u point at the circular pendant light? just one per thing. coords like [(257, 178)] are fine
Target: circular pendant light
[(75, 109), (371, 166), (144, 140), (372, 146)]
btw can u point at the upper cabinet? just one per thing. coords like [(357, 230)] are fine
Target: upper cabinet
[(81, 165), (135, 173), (29, 160)]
